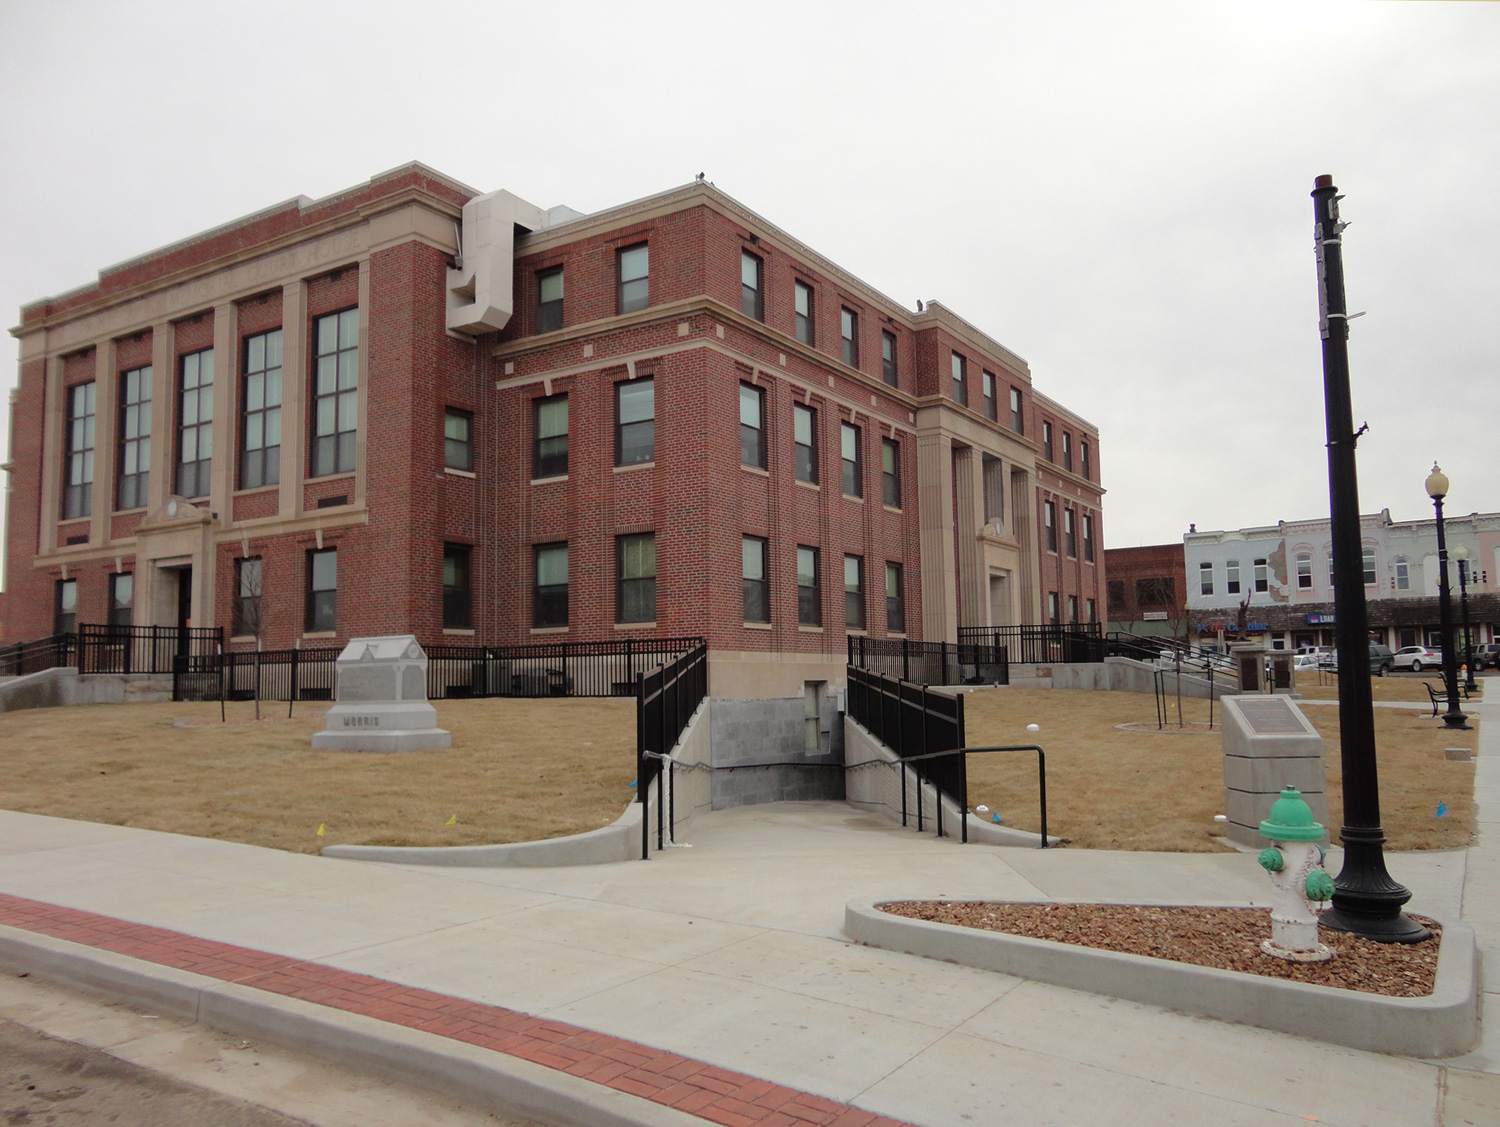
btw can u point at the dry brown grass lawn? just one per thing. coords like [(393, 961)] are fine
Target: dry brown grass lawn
[(1114, 789), (518, 770)]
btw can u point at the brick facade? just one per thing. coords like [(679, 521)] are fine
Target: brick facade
[(387, 250)]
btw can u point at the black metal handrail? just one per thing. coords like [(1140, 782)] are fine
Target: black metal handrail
[(665, 700), (21, 658), (1045, 644)]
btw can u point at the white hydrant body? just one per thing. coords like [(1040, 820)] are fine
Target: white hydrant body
[(1294, 923)]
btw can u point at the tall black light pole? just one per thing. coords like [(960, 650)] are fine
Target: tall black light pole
[(1366, 899), (1461, 554), (1437, 489)]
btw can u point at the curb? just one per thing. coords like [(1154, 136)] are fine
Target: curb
[(489, 1080), (1443, 1024)]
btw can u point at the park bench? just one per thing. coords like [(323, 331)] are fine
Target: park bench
[(1439, 696)]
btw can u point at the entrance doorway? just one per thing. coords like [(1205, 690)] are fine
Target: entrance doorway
[(184, 608)]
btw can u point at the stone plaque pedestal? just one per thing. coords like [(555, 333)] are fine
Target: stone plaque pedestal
[(1268, 744), (381, 699)]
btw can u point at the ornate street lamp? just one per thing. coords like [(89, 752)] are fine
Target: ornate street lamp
[(1367, 900), (1437, 489), (1461, 554)]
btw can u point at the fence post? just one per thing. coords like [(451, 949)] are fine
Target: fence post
[(291, 693), (945, 671), (905, 659)]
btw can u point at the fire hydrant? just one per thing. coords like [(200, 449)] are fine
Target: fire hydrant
[(1294, 862)]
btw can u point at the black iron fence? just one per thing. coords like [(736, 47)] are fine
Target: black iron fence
[(557, 669), (932, 663), (21, 658), (665, 700), (915, 722), (1042, 645), (95, 648)]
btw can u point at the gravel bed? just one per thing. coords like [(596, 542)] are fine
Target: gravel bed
[(1225, 938)]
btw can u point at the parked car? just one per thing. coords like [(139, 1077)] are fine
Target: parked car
[(1382, 660), (1487, 655), (1417, 658)]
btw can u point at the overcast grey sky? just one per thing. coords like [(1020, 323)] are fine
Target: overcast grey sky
[(1117, 192)]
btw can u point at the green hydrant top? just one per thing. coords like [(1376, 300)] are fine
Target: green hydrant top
[(1291, 819)]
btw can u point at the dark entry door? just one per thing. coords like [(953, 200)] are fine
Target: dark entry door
[(184, 608)]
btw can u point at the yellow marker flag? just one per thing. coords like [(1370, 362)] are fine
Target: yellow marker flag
[(451, 820), (320, 829)]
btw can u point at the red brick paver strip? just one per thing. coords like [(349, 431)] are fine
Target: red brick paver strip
[(715, 1094)]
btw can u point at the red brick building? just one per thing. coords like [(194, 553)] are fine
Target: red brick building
[(1147, 589), (408, 407)]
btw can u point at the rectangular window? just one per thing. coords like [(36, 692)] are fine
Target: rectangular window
[(65, 607), (853, 463), (805, 443), (637, 570), (1047, 441), (135, 438), (1262, 576), (260, 411), (458, 440), (1403, 576), (78, 482), (854, 592), (1159, 591), (121, 599), (322, 590), (1206, 578), (1088, 538), (1053, 609), (635, 278), (757, 602), (1304, 572), (803, 298), (1093, 608), (549, 597), (895, 600), (849, 332), (195, 423), (1017, 422), (248, 588), (1070, 534), (549, 300), (335, 392), (1368, 563), (809, 594), (458, 588), (752, 296), (991, 408), (549, 451), (1330, 567), (635, 422), (752, 426), (1072, 608), (890, 471), (1049, 518), (888, 357), (1114, 590), (1084, 465), (1067, 451), (960, 381), (1232, 577)]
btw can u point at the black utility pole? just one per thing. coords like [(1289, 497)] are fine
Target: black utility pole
[(1366, 899)]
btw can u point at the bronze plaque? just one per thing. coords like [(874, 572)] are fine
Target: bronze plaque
[(1271, 716)]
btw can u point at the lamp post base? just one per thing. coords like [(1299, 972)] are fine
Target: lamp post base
[(1457, 720), (1382, 928)]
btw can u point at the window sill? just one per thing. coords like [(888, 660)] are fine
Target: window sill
[(857, 631), (896, 634), (651, 465), (321, 634), (119, 513), (329, 477), (254, 489), (892, 509), (809, 629), (856, 500), (757, 626), (557, 479), (813, 485), (550, 629), (755, 470), (459, 473), (242, 638), (635, 625), (458, 630)]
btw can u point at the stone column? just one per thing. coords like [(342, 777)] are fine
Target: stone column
[(106, 418), (293, 396), (226, 424), (160, 485), (968, 487), (54, 423), (935, 506), (362, 438), (1029, 599)]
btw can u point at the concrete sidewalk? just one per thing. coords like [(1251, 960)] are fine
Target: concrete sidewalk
[(730, 955)]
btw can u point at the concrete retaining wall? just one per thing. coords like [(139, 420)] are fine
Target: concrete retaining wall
[(693, 790), (59, 688), (1115, 674), (877, 786), (758, 753)]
